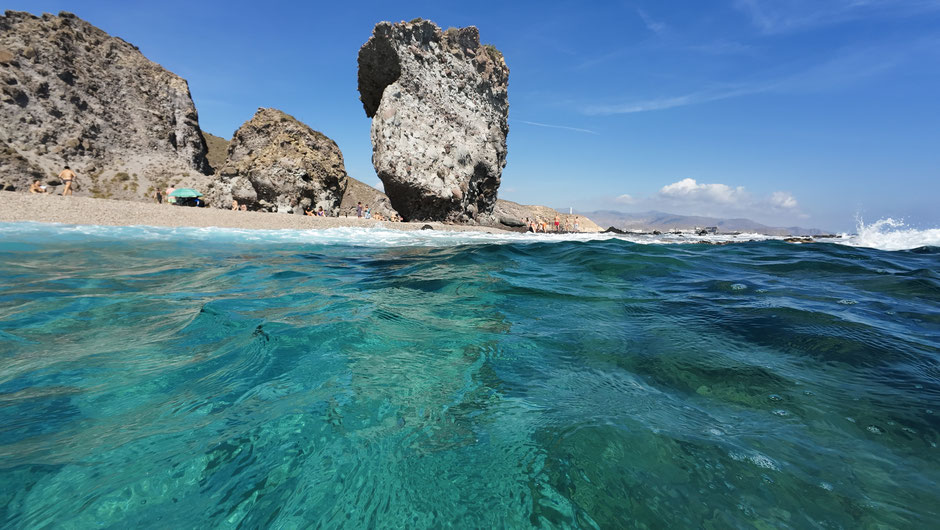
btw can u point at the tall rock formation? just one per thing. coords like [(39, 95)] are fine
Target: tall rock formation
[(72, 94), (276, 163), (439, 108)]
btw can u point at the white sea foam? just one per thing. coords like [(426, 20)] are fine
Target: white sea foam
[(376, 236), (885, 234), (891, 234)]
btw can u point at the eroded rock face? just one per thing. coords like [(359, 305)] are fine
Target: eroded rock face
[(439, 108), (276, 163), (72, 94)]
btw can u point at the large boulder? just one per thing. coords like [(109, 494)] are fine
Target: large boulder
[(439, 108), (72, 94), (278, 164)]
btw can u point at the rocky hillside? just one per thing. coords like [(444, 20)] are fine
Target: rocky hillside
[(439, 108), (276, 163), (357, 192), (74, 95), (217, 149), (512, 214)]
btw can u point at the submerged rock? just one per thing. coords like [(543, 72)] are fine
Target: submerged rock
[(439, 108), (276, 163), (72, 94)]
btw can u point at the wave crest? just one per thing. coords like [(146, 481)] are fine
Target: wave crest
[(892, 234)]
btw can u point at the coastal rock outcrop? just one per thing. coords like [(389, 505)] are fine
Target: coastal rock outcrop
[(513, 214), (439, 108), (72, 94), (276, 163)]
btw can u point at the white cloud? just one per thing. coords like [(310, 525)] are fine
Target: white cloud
[(690, 197), (688, 189), (783, 199), (379, 185)]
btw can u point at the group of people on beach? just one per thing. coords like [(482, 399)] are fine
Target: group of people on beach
[(67, 176), (541, 225), (365, 212)]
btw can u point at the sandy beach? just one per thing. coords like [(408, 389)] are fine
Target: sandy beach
[(19, 207)]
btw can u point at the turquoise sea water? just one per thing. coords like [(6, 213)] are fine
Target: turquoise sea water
[(369, 378)]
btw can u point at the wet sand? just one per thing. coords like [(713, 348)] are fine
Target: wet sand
[(18, 207)]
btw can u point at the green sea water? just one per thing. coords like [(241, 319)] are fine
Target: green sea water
[(366, 378)]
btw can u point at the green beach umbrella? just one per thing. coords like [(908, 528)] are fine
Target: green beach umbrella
[(185, 192)]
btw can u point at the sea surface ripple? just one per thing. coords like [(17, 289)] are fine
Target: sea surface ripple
[(206, 378)]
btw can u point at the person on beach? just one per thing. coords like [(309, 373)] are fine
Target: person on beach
[(320, 212), (67, 176), (368, 212), (243, 207), (158, 196), (37, 187), (576, 227), (234, 205), (359, 210), (567, 224), (557, 222)]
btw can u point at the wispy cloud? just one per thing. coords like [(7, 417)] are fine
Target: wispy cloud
[(784, 16), (694, 98), (550, 126), (656, 27), (722, 47), (844, 69)]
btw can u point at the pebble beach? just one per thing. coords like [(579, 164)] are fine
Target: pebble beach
[(21, 207)]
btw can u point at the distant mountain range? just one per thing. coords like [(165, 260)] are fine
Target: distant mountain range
[(653, 220)]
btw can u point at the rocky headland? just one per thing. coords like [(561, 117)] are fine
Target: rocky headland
[(74, 95), (439, 107), (70, 94)]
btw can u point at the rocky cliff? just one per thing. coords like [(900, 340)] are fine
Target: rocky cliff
[(276, 163), (439, 108), (72, 94)]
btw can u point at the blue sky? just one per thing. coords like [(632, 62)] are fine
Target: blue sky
[(789, 112)]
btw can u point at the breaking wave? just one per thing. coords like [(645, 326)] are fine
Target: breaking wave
[(892, 234), (884, 234)]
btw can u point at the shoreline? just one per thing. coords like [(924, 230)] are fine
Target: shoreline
[(22, 207)]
